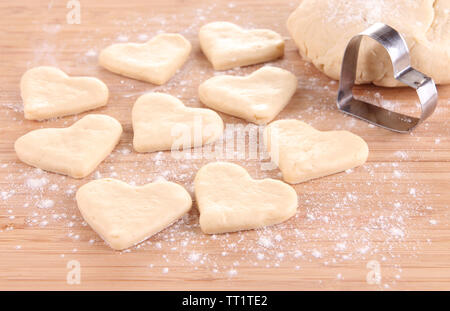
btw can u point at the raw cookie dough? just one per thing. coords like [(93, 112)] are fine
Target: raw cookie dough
[(76, 150), (322, 28), (155, 61), (258, 97), (48, 92), (230, 200), (303, 153), (162, 122), (125, 215), (227, 45)]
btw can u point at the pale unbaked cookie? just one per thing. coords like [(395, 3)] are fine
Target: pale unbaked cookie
[(303, 153), (230, 200), (258, 97), (155, 61), (75, 151), (125, 215), (48, 92), (162, 122), (322, 28), (227, 45)]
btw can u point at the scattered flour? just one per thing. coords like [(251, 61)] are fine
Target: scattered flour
[(265, 242), (232, 272), (401, 154), (143, 37), (397, 232), (316, 253), (122, 38), (36, 183), (47, 203)]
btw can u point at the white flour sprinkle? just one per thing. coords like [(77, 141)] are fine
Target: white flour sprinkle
[(125, 151), (54, 187), (397, 232), (143, 37), (45, 203), (265, 242), (5, 195), (193, 257), (122, 38), (401, 154), (397, 174), (341, 246), (36, 183), (91, 53), (363, 250), (298, 254), (316, 253), (232, 272), (278, 238)]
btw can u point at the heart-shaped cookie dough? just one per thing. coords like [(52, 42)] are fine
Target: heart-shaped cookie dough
[(48, 92), (125, 215), (258, 97), (76, 150), (227, 45), (162, 122), (155, 61), (230, 200), (303, 153)]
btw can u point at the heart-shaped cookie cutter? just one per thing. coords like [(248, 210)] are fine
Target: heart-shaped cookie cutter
[(398, 51)]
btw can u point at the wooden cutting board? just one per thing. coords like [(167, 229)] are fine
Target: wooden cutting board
[(389, 218)]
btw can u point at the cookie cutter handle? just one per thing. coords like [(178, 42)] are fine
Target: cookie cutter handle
[(398, 51)]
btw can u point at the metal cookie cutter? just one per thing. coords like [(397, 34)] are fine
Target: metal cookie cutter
[(398, 51)]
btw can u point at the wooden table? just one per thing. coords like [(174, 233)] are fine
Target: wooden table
[(392, 213)]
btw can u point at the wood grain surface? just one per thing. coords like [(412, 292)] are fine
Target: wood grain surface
[(392, 213)]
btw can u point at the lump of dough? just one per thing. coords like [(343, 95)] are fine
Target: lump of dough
[(258, 97), (125, 215), (227, 45), (322, 28), (163, 122), (303, 153), (74, 151), (48, 92), (155, 61), (230, 200)]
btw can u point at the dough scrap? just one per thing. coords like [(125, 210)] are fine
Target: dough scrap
[(303, 153), (74, 151), (125, 215), (48, 92), (322, 28), (155, 61), (227, 45), (230, 200), (258, 97), (161, 122)]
